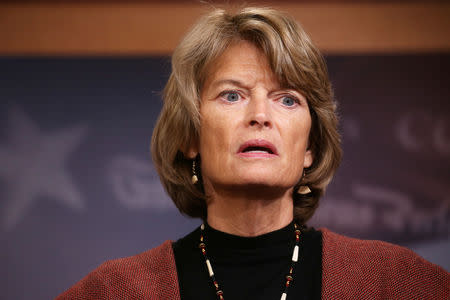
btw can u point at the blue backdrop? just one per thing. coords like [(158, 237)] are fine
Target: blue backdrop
[(77, 185)]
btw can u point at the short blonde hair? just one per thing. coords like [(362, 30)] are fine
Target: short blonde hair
[(297, 64)]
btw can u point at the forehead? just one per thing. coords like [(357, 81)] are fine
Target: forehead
[(242, 61)]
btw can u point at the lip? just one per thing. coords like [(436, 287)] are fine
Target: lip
[(257, 143)]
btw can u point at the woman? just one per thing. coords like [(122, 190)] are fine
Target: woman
[(247, 140)]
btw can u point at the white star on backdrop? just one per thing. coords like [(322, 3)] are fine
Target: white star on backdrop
[(33, 165)]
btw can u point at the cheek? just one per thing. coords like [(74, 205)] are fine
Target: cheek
[(299, 136), (295, 163), (297, 158), (215, 141), (213, 137)]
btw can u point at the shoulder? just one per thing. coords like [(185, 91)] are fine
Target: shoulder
[(345, 247), (142, 276), (378, 269), (154, 262)]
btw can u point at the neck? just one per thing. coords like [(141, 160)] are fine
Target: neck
[(250, 211)]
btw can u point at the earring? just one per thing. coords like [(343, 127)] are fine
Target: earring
[(304, 189), (194, 178)]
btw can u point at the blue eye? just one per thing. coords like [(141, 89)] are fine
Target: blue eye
[(231, 96), (288, 101)]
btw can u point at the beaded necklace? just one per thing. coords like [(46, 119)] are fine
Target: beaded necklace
[(289, 276)]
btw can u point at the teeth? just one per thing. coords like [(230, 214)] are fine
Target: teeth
[(257, 151)]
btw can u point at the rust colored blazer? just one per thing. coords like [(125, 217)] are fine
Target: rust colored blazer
[(352, 269)]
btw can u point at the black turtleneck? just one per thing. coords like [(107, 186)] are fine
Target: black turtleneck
[(249, 267)]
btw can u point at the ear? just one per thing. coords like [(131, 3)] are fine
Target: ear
[(191, 151), (308, 160)]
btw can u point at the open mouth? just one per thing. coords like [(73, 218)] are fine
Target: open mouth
[(257, 149), (258, 146)]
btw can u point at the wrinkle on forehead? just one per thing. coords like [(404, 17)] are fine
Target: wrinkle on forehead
[(244, 63)]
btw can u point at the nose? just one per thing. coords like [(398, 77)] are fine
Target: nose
[(259, 113)]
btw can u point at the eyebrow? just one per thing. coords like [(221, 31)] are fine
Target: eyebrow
[(228, 81), (242, 84)]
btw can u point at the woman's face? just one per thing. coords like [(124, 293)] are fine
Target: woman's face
[(253, 131)]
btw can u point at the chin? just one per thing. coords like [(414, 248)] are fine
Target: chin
[(263, 180)]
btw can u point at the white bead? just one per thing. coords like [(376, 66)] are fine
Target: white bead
[(283, 296), (208, 264), (202, 227), (295, 254)]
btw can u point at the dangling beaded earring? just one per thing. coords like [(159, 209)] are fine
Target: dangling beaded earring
[(194, 178), (304, 189)]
